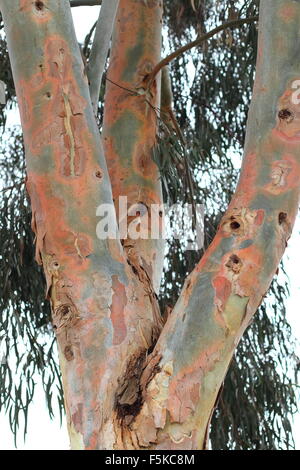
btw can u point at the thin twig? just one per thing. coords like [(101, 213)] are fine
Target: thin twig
[(197, 42), (132, 92), (100, 48)]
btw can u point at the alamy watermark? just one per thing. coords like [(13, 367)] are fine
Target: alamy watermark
[(183, 222)]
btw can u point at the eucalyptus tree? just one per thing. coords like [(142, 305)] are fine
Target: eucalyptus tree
[(145, 339)]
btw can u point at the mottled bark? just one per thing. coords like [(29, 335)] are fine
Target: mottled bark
[(102, 317), (222, 294), (130, 126), (119, 394)]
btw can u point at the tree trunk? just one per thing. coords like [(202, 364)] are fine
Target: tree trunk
[(130, 127), (120, 393)]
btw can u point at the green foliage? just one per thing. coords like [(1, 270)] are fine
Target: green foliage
[(212, 90)]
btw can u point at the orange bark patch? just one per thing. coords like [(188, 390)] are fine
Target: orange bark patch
[(287, 13), (247, 281), (52, 232), (260, 216), (238, 274), (115, 250), (57, 246), (119, 300), (59, 120), (289, 131), (222, 288)]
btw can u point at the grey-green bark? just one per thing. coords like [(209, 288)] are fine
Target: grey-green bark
[(275, 176), (100, 48)]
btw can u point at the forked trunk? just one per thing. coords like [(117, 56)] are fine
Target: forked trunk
[(120, 393)]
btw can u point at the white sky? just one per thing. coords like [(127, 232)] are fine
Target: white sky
[(44, 434)]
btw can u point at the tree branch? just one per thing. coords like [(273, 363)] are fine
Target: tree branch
[(100, 48), (197, 42), (223, 292), (85, 3), (130, 127), (94, 293)]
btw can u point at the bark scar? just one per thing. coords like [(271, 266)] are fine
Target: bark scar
[(69, 132)]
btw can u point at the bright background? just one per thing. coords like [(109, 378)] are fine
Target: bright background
[(44, 434)]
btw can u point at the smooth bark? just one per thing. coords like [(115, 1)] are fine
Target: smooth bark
[(225, 289), (93, 292), (130, 127), (100, 48), (119, 394)]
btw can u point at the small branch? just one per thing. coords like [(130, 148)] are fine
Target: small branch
[(100, 48), (197, 42), (84, 3)]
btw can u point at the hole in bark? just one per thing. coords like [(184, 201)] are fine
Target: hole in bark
[(69, 355), (160, 214), (285, 115), (39, 5), (235, 259), (64, 310), (235, 225), (234, 264), (48, 94), (129, 398), (282, 217), (98, 174), (65, 316)]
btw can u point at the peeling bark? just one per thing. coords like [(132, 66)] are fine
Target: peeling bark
[(94, 294), (222, 294), (123, 388)]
